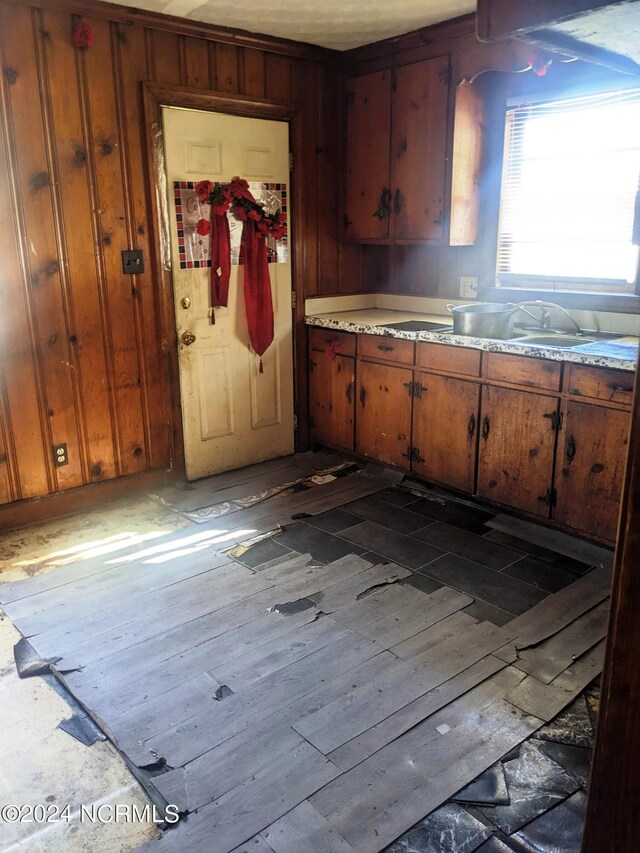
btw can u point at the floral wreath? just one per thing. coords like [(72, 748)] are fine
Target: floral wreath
[(235, 195)]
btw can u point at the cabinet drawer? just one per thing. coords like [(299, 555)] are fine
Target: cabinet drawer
[(385, 349), (519, 370), (600, 383), (449, 359), (343, 343)]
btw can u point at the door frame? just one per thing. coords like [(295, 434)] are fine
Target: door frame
[(155, 96)]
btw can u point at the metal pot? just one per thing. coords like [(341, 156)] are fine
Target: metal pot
[(484, 319)]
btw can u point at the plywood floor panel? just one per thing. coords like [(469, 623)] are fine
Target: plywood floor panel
[(344, 721)]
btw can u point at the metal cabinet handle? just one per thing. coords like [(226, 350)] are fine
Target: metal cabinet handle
[(486, 427), (570, 450), (363, 395), (385, 204), (385, 348), (471, 426)]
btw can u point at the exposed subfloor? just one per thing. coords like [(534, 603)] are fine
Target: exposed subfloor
[(395, 645)]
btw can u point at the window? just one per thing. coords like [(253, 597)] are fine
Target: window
[(568, 199)]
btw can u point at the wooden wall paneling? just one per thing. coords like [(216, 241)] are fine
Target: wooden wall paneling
[(351, 280), (79, 257), (227, 68), (304, 188), (167, 55), (132, 67), (402, 278), (278, 77), (133, 16), (40, 249), (6, 489), (253, 73), (329, 147), (305, 175), (28, 462), (468, 138), (375, 269), (195, 63), (109, 177)]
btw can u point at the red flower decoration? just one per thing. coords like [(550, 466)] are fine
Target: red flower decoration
[(255, 215), (221, 209), (203, 227), (82, 35), (278, 231), (204, 190)]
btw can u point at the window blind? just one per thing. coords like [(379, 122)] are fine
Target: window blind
[(570, 178)]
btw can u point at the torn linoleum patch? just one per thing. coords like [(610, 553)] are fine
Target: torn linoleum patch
[(535, 783), (449, 829), (224, 508)]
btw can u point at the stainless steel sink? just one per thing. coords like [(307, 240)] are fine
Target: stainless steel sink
[(558, 341), (418, 326)]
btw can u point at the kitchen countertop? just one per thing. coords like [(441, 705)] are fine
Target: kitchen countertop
[(370, 321)]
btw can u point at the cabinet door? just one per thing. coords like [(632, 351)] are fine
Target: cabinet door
[(332, 399), (418, 149), (368, 114), (590, 468), (517, 445), (383, 413), (445, 430)]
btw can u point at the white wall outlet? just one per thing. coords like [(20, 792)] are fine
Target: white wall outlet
[(468, 286)]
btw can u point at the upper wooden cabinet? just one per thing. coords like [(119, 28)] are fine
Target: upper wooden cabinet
[(367, 156), (606, 32), (396, 133)]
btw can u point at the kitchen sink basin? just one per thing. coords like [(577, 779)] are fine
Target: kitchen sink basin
[(558, 341)]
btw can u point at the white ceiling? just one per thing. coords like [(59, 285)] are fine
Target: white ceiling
[(338, 24)]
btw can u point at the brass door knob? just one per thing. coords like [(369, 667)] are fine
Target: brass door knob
[(185, 302), (187, 338)]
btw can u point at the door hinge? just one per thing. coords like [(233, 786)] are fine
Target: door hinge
[(295, 422), (445, 75), (290, 161), (550, 498), (294, 299), (414, 389), (413, 454), (556, 420)]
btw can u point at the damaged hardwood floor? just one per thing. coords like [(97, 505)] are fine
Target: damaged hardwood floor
[(306, 706)]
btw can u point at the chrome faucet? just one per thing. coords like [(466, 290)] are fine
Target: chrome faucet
[(545, 315)]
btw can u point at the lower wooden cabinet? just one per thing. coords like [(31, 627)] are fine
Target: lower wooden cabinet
[(332, 399), (383, 413), (590, 468), (445, 430), (517, 446), (554, 447)]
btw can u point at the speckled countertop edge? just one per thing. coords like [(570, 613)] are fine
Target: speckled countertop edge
[(485, 344)]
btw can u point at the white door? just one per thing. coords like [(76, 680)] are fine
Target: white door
[(232, 414)]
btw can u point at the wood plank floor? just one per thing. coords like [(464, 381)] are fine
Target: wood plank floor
[(307, 706)]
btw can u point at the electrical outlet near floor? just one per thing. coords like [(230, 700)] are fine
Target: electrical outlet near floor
[(468, 286)]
